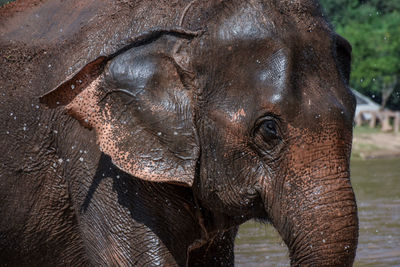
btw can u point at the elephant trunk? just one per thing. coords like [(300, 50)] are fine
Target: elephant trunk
[(315, 212), (325, 232)]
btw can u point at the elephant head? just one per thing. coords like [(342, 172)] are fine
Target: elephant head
[(247, 103)]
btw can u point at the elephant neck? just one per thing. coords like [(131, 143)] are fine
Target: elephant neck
[(193, 234), (216, 242)]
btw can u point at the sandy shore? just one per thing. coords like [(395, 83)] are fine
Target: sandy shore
[(376, 145)]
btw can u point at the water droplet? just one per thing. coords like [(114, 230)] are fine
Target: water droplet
[(323, 241), (159, 133), (72, 86), (175, 133), (60, 161), (81, 159)]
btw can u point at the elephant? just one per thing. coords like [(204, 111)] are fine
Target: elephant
[(143, 133)]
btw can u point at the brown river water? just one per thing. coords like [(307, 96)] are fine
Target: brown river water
[(377, 187)]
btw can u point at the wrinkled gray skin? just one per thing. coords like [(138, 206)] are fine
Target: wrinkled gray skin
[(142, 133)]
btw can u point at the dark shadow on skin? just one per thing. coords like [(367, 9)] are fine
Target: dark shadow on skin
[(131, 190), (101, 169), (158, 206)]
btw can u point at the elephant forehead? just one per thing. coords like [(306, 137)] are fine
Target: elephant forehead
[(272, 77), (273, 57), (246, 23), (256, 20), (253, 80)]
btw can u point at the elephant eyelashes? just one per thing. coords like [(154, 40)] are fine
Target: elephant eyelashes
[(267, 134)]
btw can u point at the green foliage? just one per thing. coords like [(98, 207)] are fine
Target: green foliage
[(373, 29), (3, 2), (365, 129)]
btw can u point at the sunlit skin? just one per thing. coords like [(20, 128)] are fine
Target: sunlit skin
[(155, 140)]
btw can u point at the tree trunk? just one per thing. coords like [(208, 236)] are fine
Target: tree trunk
[(387, 92)]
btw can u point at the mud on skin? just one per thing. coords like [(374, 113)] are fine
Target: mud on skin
[(143, 133)]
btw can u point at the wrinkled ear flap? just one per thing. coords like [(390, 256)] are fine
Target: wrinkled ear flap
[(140, 106), (74, 85)]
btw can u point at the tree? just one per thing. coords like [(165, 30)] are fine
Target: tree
[(373, 29), (2, 2)]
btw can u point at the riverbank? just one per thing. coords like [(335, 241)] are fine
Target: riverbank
[(373, 144)]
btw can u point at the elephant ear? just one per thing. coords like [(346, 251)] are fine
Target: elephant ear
[(139, 102)]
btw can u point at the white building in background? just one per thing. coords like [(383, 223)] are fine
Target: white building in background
[(364, 103)]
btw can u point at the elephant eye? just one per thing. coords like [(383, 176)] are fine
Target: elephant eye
[(268, 129), (267, 134)]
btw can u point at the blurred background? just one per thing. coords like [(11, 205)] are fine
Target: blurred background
[(373, 29)]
